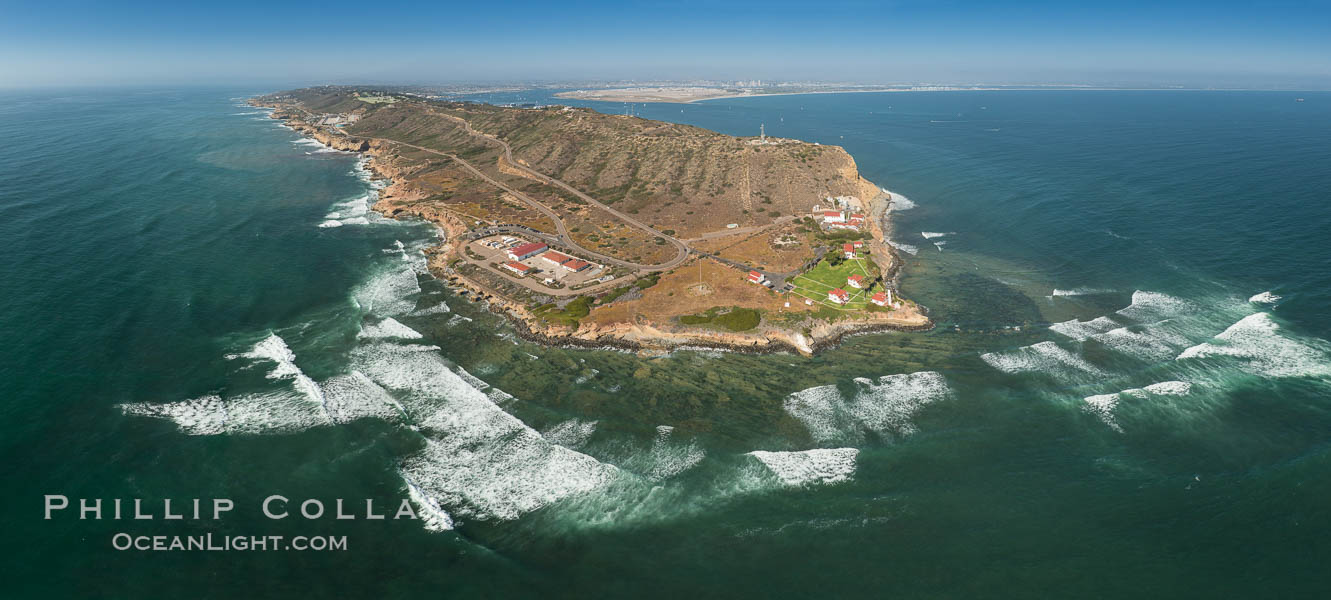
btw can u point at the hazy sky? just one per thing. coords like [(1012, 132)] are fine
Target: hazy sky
[(1198, 44)]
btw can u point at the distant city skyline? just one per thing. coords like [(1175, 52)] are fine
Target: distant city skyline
[(1280, 45)]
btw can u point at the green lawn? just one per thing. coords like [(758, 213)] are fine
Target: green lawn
[(824, 277)]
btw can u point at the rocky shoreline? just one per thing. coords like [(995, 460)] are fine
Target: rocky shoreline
[(629, 337)]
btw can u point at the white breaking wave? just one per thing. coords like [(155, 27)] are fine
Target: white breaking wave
[(389, 292), (1080, 330), (1044, 357), (433, 517), (247, 414), (340, 399), (1104, 405), (1150, 307), (437, 309), (356, 211), (1256, 341), (929, 235), (1264, 298), (478, 460), (571, 434), (1154, 342), (907, 248), (900, 202), (353, 396), (810, 467), (885, 407), (1168, 388), (668, 458), (274, 348), (389, 328), (1078, 292)]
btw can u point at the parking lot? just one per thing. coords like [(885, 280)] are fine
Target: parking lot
[(545, 268)]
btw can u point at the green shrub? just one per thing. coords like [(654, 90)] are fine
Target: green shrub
[(739, 319)]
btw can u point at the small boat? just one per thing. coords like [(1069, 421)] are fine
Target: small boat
[(1298, 99)]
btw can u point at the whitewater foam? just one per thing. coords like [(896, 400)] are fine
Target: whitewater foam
[(668, 458), (1044, 357), (273, 348), (1104, 405), (1264, 298), (571, 434), (907, 248), (1078, 292), (389, 328), (389, 292), (271, 413), (437, 309), (1080, 330), (884, 407), (1257, 342), (478, 460), (353, 396), (810, 467), (433, 517), (1149, 307), (1154, 342), (899, 202)]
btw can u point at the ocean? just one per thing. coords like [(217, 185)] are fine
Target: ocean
[(1128, 392)]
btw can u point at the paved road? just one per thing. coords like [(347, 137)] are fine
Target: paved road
[(778, 279), (564, 237), (681, 248), (533, 283), (738, 230)]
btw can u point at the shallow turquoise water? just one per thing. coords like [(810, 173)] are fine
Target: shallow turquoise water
[(180, 325)]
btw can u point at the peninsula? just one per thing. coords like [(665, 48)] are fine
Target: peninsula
[(607, 230), (685, 94)]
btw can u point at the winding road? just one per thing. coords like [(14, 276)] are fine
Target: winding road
[(681, 248), (561, 229)]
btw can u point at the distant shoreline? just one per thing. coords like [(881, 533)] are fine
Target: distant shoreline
[(682, 96), (691, 95)]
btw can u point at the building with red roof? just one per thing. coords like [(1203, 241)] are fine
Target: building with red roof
[(855, 281), (756, 277), (833, 216), (527, 250), (556, 258), (518, 268), (576, 265), (881, 299), (848, 250), (838, 296)]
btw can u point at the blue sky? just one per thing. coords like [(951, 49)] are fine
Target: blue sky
[(1196, 44)]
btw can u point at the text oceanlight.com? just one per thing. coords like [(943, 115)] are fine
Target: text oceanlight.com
[(224, 543)]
